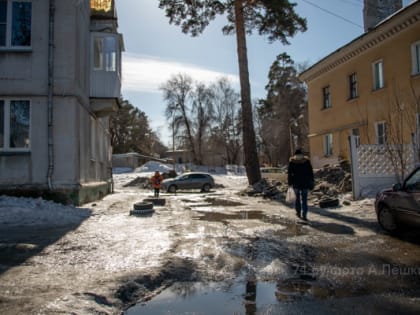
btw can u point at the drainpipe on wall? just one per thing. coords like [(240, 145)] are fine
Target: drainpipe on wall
[(50, 93)]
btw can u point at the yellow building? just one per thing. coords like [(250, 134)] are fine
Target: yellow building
[(369, 88)]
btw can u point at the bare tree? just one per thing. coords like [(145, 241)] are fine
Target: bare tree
[(202, 109), (177, 93), (401, 128), (226, 129)]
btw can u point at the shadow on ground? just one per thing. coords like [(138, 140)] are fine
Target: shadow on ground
[(19, 243)]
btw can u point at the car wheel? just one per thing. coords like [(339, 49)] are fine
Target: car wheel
[(172, 189), (206, 188), (386, 220)]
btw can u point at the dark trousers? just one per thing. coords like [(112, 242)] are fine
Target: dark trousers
[(301, 203), (157, 192)]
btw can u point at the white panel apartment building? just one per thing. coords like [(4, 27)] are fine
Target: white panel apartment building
[(60, 78)]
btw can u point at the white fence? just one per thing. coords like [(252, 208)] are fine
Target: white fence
[(375, 167)]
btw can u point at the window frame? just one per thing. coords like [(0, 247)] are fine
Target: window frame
[(415, 57), (328, 145), (9, 27), (378, 75), (355, 132), (104, 57), (326, 97), (353, 87), (381, 139), (6, 126)]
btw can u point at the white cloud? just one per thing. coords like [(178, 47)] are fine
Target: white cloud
[(145, 73)]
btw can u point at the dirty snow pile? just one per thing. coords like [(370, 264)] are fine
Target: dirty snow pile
[(152, 166), (29, 211)]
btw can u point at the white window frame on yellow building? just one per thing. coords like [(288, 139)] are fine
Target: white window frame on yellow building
[(415, 55), (356, 133), (380, 139), (353, 89), (326, 97), (378, 75), (328, 145)]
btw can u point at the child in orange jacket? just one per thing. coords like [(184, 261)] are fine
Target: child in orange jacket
[(156, 183)]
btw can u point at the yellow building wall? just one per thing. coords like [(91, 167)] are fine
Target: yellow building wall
[(370, 106)]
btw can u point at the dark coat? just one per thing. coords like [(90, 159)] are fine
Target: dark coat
[(300, 173)]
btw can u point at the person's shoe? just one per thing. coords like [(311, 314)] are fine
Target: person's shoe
[(305, 218), (298, 214)]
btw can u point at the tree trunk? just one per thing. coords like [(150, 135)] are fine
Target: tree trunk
[(250, 147), (189, 135)]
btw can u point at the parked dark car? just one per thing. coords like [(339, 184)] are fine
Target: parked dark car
[(400, 206), (191, 180)]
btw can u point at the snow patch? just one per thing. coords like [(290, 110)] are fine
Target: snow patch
[(153, 166), (16, 211)]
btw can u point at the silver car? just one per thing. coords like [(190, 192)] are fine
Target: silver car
[(191, 180)]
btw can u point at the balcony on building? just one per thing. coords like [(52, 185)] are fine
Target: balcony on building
[(106, 48)]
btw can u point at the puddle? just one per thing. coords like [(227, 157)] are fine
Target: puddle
[(248, 298), (216, 202), (223, 217), (223, 202), (208, 299), (286, 229)]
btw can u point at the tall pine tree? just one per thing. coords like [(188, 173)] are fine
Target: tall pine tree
[(274, 18)]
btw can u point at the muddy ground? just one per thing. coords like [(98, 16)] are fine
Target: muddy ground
[(340, 262)]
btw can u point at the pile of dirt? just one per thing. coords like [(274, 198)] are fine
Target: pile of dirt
[(138, 181), (144, 182), (331, 182)]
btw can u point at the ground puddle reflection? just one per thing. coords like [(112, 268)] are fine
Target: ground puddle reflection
[(212, 298)]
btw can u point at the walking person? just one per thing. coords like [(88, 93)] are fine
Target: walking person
[(156, 183), (300, 176)]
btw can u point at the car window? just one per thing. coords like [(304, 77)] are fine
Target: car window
[(413, 183), (198, 176)]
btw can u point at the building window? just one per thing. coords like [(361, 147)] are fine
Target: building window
[(15, 23), (356, 133), (378, 75), (415, 52), (380, 131), (353, 86), (326, 97), (105, 50), (14, 125), (328, 144)]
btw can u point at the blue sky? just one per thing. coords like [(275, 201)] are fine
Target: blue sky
[(155, 50)]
